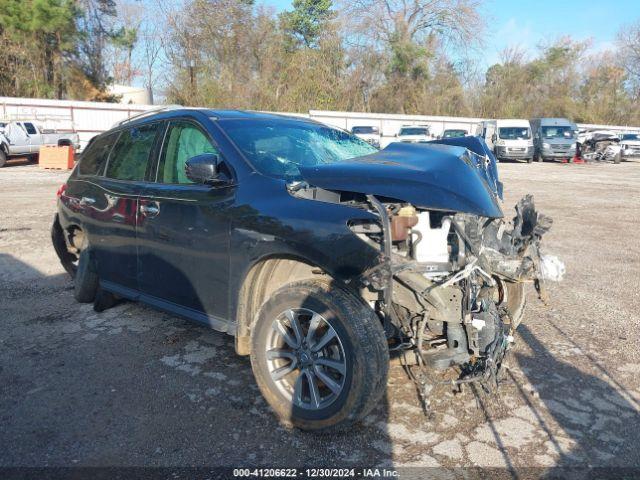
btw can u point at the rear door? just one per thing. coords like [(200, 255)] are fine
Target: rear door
[(183, 230), (114, 205)]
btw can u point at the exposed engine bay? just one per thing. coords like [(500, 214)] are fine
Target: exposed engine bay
[(453, 285), (449, 281), (601, 146)]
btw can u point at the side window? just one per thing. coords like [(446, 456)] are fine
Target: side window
[(130, 155), (183, 141), (95, 155), (31, 130)]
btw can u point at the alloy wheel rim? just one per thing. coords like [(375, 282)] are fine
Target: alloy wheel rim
[(306, 359)]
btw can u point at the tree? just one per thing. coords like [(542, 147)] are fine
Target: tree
[(410, 38), (37, 40), (305, 24), (96, 30)]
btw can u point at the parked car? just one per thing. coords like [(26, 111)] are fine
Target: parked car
[(512, 140), (367, 133), (454, 133), (554, 139), (630, 143), (21, 139), (303, 242), (414, 134)]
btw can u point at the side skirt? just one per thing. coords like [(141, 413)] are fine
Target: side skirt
[(215, 323)]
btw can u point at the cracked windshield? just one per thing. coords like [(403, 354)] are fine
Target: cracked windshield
[(279, 148)]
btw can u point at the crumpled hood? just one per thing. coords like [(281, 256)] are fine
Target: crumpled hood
[(437, 177)]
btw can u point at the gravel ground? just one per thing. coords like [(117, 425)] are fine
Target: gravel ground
[(135, 387)]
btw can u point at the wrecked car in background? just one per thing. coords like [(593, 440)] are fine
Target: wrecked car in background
[(318, 252), (600, 146)]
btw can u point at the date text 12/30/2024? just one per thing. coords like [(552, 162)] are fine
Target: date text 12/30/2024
[(315, 472)]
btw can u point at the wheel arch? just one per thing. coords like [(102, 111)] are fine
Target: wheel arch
[(261, 279)]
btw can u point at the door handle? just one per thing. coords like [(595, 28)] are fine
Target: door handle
[(150, 209), (87, 201)]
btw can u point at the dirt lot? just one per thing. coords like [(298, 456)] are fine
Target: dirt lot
[(132, 386)]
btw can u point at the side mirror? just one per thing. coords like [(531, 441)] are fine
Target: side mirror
[(203, 168), (494, 137)]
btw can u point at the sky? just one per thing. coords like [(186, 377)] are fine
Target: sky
[(527, 23)]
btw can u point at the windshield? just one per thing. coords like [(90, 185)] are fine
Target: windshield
[(278, 147), (514, 133), (631, 136), (557, 132), (364, 130), (414, 131), (454, 133)]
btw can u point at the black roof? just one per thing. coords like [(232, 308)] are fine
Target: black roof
[(176, 111)]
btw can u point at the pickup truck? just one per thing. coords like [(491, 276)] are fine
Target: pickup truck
[(24, 139)]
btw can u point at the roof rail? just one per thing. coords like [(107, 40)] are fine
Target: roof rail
[(163, 108)]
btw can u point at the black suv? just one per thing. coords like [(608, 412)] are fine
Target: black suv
[(317, 252)]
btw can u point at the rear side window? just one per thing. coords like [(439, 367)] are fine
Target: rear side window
[(130, 155), (96, 153)]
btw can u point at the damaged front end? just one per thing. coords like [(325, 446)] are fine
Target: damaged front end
[(453, 284), (449, 281)]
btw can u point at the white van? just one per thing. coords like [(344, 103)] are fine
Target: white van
[(510, 139)]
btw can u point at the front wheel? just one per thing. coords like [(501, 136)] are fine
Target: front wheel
[(319, 355), (3, 158)]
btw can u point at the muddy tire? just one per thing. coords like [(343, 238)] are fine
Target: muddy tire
[(3, 158), (86, 279), (319, 356)]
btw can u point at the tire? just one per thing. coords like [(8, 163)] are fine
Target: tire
[(617, 158), (359, 347), (530, 160), (86, 280), (3, 158), (67, 259)]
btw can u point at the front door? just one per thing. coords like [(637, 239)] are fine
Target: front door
[(19, 141), (183, 231)]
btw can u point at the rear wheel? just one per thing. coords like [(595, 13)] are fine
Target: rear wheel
[(3, 158), (68, 260), (617, 158), (319, 355)]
